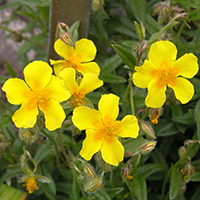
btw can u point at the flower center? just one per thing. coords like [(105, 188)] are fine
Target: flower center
[(39, 98), (107, 132), (165, 74)]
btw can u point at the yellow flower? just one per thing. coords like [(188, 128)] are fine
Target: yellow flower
[(162, 70), (78, 57), (31, 184), (41, 91), (103, 130), (89, 83)]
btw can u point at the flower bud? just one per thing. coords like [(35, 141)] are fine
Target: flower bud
[(147, 147), (147, 129), (126, 172), (140, 30), (64, 34), (154, 114), (94, 184), (187, 171), (89, 170), (182, 152), (17, 37), (97, 5), (28, 135)]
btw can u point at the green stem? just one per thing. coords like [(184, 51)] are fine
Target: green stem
[(179, 32), (56, 151), (62, 147), (21, 36), (6, 106), (125, 96), (10, 147), (131, 99)]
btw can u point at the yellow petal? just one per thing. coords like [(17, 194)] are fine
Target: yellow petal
[(162, 51), (91, 67), (57, 89), (86, 49), (142, 77), (112, 151), (187, 65), (183, 90), (90, 144), (15, 90), (64, 50), (86, 118), (69, 77), (25, 117), (58, 65), (54, 115), (129, 127), (89, 83), (37, 74), (156, 95), (109, 107)]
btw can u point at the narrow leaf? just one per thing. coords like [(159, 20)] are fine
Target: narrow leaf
[(140, 187), (125, 55), (175, 182), (197, 118)]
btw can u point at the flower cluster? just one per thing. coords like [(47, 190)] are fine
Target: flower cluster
[(41, 94)]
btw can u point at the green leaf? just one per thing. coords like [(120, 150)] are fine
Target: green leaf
[(192, 149), (111, 64), (151, 24), (40, 3), (187, 118), (197, 118), (194, 15), (175, 182), (11, 172), (74, 31), (195, 177), (10, 69), (110, 78), (5, 121), (155, 36), (138, 8), (101, 194), (151, 168), (114, 191), (133, 145), (11, 193), (190, 3), (125, 55), (42, 152), (140, 187), (166, 129)]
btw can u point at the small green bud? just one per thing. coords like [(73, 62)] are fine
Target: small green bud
[(97, 5), (147, 147), (140, 30), (94, 184), (147, 129), (29, 135)]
